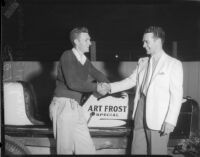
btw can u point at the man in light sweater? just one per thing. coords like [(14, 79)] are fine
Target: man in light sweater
[(69, 124)]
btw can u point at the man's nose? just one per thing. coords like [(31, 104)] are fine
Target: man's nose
[(90, 43), (144, 45)]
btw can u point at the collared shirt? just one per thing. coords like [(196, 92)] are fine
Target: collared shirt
[(80, 56), (153, 61)]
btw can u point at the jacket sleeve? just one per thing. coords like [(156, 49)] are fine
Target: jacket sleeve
[(72, 78), (96, 74), (176, 93), (126, 83)]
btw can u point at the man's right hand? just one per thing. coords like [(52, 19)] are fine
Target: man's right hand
[(103, 88)]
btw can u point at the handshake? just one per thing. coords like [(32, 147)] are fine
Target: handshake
[(103, 88)]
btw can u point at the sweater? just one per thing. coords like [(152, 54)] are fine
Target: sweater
[(73, 77)]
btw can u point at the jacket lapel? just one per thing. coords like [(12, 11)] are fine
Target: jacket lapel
[(142, 70), (143, 66)]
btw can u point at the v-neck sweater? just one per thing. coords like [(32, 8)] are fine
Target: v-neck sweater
[(73, 77)]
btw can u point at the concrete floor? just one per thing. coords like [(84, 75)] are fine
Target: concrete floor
[(46, 151)]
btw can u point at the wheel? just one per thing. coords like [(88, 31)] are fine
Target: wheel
[(14, 147)]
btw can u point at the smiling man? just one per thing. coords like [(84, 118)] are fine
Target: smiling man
[(158, 80), (69, 124)]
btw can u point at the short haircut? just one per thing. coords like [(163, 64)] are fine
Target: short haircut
[(158, 32), (74, 34)]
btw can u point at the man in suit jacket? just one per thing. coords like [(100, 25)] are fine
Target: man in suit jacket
[(158, 80)]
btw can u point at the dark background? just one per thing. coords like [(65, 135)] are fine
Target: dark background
[(39, 29)]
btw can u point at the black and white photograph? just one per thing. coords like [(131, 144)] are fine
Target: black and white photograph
[(100, 77)]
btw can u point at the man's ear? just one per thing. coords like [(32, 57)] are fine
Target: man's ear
[(76, 41), (158, 40)]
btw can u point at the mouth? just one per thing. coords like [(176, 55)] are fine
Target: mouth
[(147, 49)]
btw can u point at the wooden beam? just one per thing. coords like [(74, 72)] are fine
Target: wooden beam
[(174, 49), (93, 51)]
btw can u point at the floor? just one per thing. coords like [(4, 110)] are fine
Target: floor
[(46, 151)]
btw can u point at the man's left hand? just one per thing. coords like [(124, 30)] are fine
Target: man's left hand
[(166, 128)]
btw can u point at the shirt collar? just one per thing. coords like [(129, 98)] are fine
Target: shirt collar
[(156, 57), (79, 56)]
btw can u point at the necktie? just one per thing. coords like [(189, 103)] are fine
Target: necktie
[(147, 77)]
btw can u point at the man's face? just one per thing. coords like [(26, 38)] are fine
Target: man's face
[(83, 42), (149, 43)]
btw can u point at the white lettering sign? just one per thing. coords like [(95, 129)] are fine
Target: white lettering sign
[(107, 112)]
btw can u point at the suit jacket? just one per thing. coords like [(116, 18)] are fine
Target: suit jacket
[(164, 94)]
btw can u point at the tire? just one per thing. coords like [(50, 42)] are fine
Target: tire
[(14, 147)]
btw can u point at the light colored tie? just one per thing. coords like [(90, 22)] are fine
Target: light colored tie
[(147, 77)]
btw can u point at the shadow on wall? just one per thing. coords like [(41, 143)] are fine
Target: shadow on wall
[(44, 85)]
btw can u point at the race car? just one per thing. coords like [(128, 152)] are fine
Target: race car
[(109, 121)]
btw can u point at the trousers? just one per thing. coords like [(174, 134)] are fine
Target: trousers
[(146, 141), (70, 127)]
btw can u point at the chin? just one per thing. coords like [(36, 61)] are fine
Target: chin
[(148, 53), (86, 51)]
